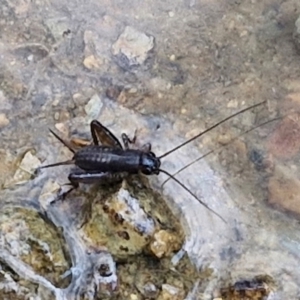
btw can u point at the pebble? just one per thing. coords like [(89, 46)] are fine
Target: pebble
[(79, 99), (232, 103), (92, 62), (61, 127), (172, 57), (93, 107), (134, 45), (3, 120), (25, 170), (170, 292)]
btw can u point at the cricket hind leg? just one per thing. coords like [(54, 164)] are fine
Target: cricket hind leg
[(102, 136), (63, 194)]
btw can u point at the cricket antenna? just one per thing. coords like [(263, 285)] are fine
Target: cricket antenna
[(219, 148), (210, 128), (62, 141), (184, 187), (67, 162)]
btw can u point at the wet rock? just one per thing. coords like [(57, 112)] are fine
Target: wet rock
[(4, 121), (133, 45), (296, 34), (93, 107)]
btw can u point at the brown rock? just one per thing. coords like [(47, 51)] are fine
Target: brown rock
[(284, 192), (285, 140)]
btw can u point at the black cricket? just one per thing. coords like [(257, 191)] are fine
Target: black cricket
[(107, 161)]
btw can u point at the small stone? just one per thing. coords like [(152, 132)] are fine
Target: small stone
[(55, 102), (244, 33), (61, 127), (224, 139), (183, 111), (170, 292), (133, 297), (172, 57), (164, 243), (132, 91), (3, 120), (79, 99), (29, 163), (25, 170), (171, 14), (92, 62), (93, 107), (233, 103), (56, 116), (134, 45)]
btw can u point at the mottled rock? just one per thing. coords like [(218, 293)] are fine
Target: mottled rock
[(126, 221)]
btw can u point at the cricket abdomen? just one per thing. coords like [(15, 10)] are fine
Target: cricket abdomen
[(107, 159)]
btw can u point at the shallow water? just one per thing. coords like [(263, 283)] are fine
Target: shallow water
[(196, 62)]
